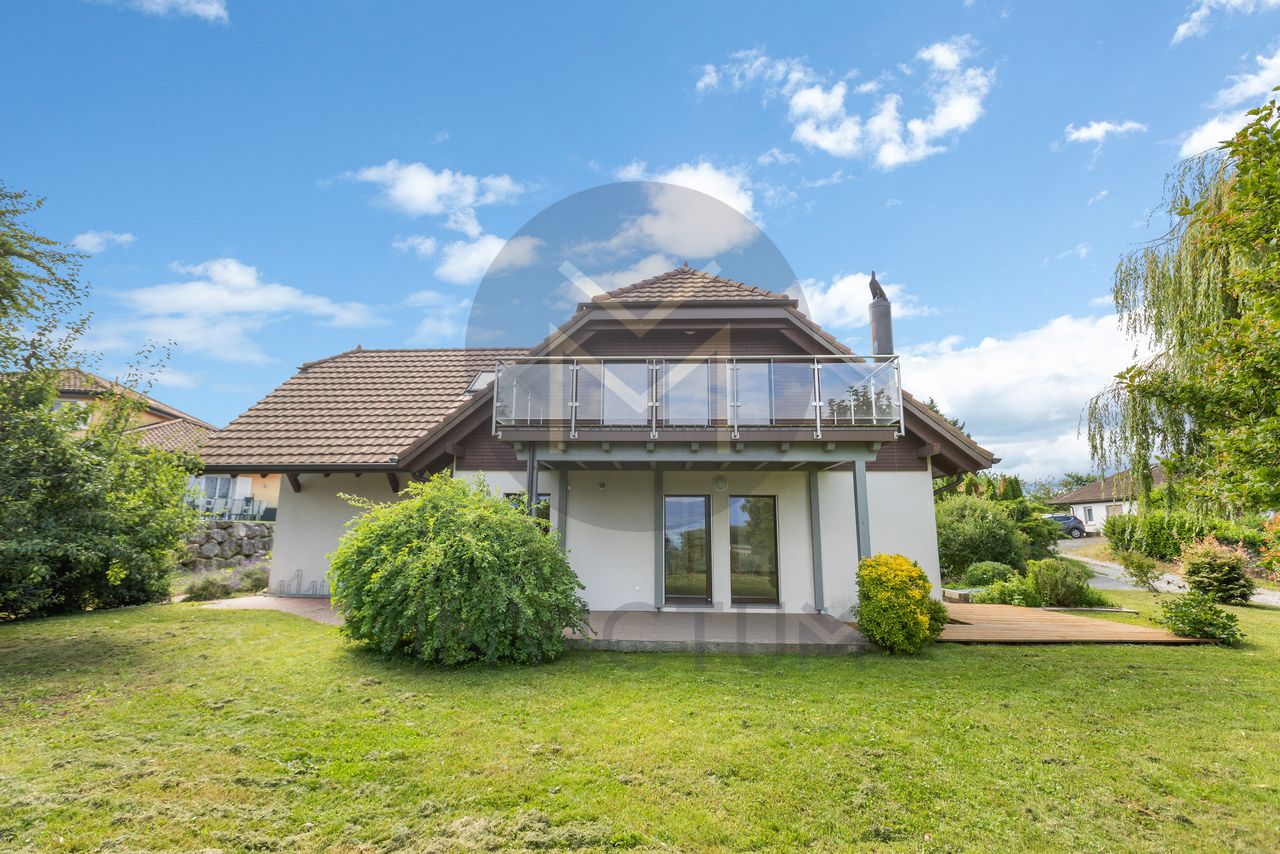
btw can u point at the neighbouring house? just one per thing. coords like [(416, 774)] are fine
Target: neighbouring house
[(158, 425), (698, 442), (1107, 496)]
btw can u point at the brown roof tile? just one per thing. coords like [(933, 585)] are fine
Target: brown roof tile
[(176, 435), (1118, 487), (75, 381), (685, 284), (361, 407)]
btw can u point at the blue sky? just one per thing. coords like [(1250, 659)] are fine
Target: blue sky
[(270, 183)]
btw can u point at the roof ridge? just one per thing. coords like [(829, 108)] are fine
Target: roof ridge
[(684, 268)]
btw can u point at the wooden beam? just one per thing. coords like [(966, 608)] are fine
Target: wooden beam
[(326, 474), (798, 465), (456, 449), (761, 464), (394, 481), (294, 482), (928, 450)]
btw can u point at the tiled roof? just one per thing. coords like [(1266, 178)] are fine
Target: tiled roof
[(361, 407), (176, 435), (75, 381), (685, 284), (1118, 487)]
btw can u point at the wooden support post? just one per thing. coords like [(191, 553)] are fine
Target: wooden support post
[(394, 480), (294, 482)]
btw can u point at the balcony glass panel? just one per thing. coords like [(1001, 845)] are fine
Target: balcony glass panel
[(753, 401), (793, 393), (687, 394), (625, 394), (534, 393)]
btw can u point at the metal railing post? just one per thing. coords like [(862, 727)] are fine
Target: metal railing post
[(817, 399), (654, 368), (573, 400), (497, 387)]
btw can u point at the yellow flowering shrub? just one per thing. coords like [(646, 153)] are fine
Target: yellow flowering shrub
[(894, 606)]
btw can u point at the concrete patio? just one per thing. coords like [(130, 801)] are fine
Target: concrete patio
[(744, 632)]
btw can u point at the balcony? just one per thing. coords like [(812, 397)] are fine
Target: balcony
[(671, 398)]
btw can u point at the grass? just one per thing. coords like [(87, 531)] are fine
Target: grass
[(172, 727)]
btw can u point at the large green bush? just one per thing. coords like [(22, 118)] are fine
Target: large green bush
[(1163, 534), (88, 519), (894, 605), (1217, 571), (453, 573), (973, 529), (1195, 615)]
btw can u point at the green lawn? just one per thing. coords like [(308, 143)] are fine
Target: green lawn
[(171, 727)]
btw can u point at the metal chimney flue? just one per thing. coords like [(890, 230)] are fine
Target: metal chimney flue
[(881, 320)]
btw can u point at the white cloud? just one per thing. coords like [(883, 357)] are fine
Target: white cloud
[(837, 177), (463, 263), (94, 242), (1104, 300), (688, 225), (443, 320), (1080, 250), (1093, 200), (647, 267), (1197, 22), (776, 155), (1212, 133), (1022, 395), (420, 245), (842, 303), (821, 119), (218, 311), (1252, 88), (1244, 92), (1098, 131), (170, 376), (417, 189), (208, 10)]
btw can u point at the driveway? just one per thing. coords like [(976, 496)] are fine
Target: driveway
[(1110, 576)]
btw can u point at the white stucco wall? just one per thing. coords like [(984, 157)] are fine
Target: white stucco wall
[(900, 505), (1099, 513), (310, 523), (610, 533)]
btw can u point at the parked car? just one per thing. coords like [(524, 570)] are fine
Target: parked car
[(1071, 526)]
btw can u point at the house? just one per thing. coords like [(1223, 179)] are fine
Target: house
[(1108, 496), (697, 441), (158, 425)]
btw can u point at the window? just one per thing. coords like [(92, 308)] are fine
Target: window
[(686, 531), (482, 380), (753, 549), (218, 486), (1088, 514)]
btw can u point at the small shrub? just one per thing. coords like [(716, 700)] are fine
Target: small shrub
[(1140, 569), (213, 585), (453, 573), (1216, 571), (985, 572), (1195, 615), (1017, 590), (894, 606), (972, 529), (1061, 583), (249, 579)]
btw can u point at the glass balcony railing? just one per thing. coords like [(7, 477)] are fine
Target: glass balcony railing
[(662, 395)]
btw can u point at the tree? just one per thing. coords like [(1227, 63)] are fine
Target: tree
[(1205, 295), (88, 519)]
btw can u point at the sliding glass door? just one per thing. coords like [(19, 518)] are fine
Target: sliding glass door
[(753, 549), (687, 536)]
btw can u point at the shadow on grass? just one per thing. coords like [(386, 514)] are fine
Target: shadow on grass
[(79, 652)]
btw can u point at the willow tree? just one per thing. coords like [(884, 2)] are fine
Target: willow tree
[(1205, 299)]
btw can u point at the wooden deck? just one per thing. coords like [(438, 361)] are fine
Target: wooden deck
[(1012, 624)]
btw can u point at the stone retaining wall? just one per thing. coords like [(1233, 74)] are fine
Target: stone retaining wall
[(222, 543)]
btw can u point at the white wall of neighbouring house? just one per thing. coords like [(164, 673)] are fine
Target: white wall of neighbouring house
[(310, 523), (900, 505)]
